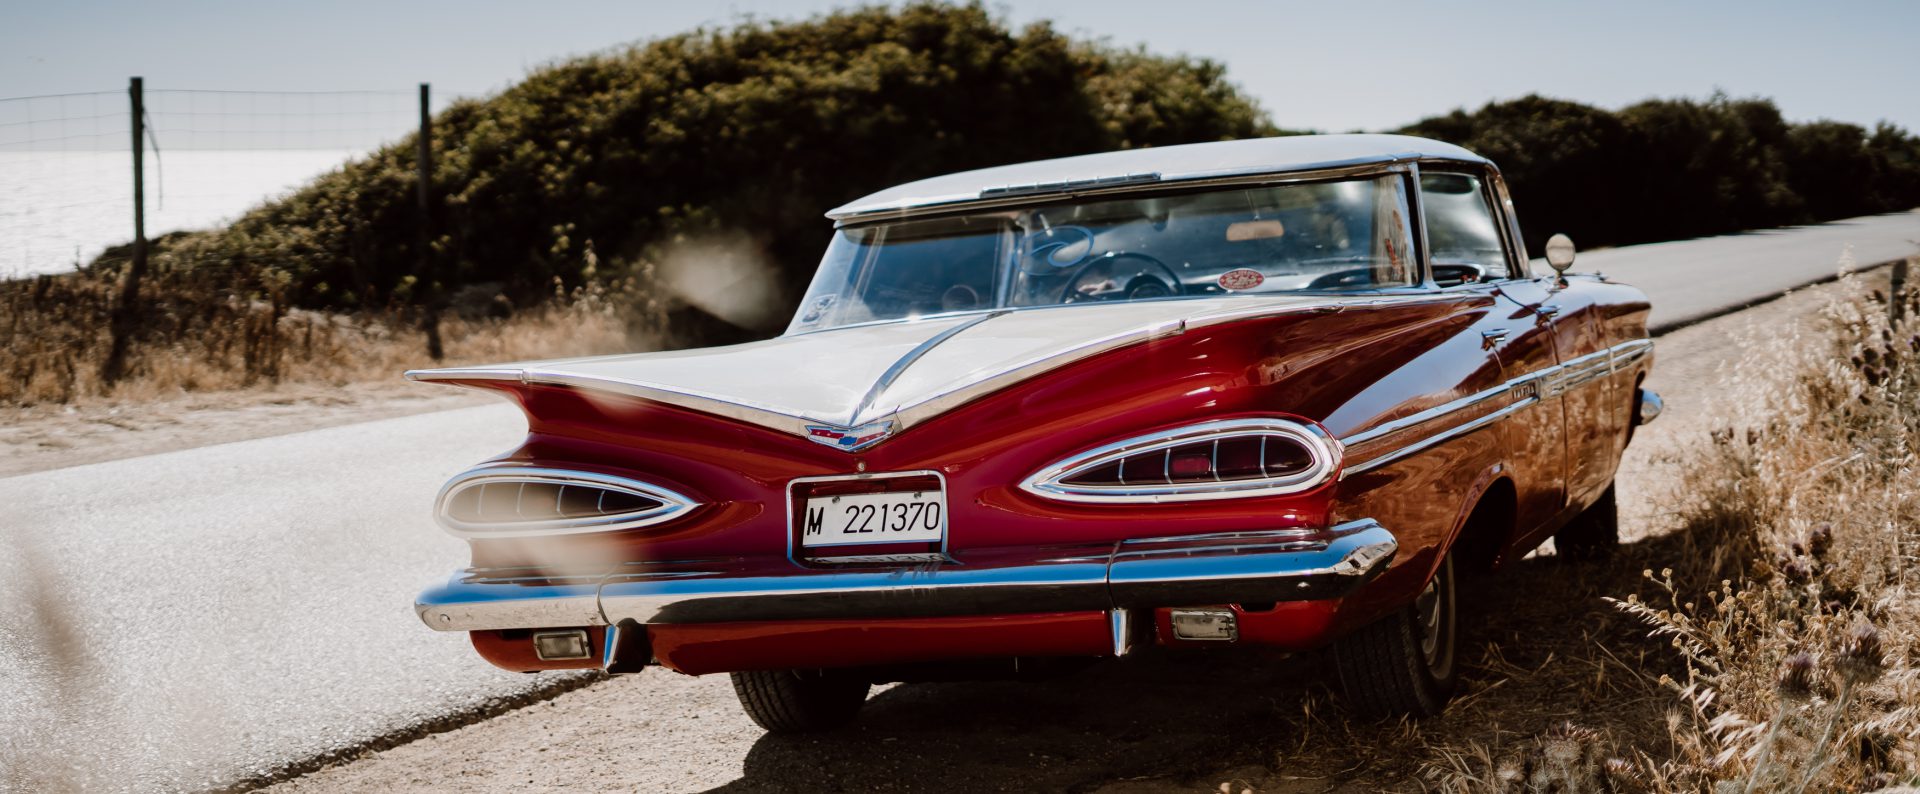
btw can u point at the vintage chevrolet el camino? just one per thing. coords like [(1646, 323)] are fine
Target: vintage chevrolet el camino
[(1274, 392)]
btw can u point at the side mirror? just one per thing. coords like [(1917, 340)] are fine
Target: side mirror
[(1560, 253)]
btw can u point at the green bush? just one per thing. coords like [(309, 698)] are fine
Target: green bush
[(594, 166), (596, 163), (1669, 169)]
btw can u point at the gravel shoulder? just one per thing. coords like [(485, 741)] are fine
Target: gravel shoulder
[(47, 437), (1158, 721)]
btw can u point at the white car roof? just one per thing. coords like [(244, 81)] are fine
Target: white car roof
[(1154, 166)]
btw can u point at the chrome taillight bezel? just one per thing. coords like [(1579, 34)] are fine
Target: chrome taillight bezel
[(1324, 451), (672, 504)]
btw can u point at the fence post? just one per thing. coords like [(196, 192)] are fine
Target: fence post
[(123, 320), (429, 275), (1897, 293)]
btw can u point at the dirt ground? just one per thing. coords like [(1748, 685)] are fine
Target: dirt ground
[(1541, 648), (46, 437)]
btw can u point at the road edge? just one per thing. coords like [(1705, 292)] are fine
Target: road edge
[(1669, 326), (412, 732)]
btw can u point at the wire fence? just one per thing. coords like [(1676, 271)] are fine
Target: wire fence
[(66, 162)]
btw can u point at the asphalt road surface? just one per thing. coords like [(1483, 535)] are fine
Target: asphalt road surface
[(1690, 280), (185, 620)]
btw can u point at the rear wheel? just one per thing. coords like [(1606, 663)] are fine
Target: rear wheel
[(797, 701), (1594, 534), (1404, 663)]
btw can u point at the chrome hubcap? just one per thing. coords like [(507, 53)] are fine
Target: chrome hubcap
[(1428, 608)]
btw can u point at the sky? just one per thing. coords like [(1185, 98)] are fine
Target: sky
[(1330, 65)]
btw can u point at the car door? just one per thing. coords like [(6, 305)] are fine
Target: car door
[(1585, 391), (1473, 245)]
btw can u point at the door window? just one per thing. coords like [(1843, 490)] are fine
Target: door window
[(1462, 230)]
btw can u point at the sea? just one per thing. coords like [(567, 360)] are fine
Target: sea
[(60, 209)]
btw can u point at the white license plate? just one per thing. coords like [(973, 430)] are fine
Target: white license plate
[(903, 517)]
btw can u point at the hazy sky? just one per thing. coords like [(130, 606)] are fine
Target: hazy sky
[(1329, 65)]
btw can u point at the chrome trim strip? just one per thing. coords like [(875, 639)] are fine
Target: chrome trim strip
[(465, 603), (1240, 567), (861, 211), (715, 405), (1546, 383), (961, 203), (899, 367), (672, 504), (1120, 622), (1324, 452), (1429, 414), (1438, 438), (911, 414)]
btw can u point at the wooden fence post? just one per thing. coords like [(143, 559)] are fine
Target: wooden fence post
[(124, 319), (1897, 292), (429, 275)]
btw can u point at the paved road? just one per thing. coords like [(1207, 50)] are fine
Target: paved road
[(1693, 279), (181, 620)]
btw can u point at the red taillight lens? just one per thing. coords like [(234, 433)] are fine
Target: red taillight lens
[(1217, 460), (1213, 460)]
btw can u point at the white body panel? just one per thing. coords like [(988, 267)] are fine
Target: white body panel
[(900, 372)]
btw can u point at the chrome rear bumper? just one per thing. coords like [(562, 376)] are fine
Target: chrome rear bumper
[(1242, 567)]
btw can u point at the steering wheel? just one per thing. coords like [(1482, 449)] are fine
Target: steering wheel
[(1142, 283), (1453, 274), (1065, 247)]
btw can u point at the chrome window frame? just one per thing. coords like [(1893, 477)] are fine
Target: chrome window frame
[(1421, 283), (1493, 191), (1516, 243), (672, 503), (1325, 451)]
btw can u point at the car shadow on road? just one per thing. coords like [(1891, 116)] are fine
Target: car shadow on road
[(1532, 655), (1153, 713)]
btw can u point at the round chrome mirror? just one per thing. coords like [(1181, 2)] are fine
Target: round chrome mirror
[(1560, 253)]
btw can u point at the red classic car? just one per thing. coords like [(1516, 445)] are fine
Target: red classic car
[(1271, 392)]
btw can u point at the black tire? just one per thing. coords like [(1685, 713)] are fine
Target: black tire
[(799, 701), (1594, 534), (1404, 664)]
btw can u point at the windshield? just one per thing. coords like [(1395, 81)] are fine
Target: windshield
[(1345, 235)]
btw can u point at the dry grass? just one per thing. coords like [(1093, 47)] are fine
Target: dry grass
[(1786, 598), (206, 331)]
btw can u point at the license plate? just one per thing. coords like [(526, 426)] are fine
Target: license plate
[(900, 517)]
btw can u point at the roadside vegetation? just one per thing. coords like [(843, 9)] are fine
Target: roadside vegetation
[(592, 174), (678, 184), (1670, 169)]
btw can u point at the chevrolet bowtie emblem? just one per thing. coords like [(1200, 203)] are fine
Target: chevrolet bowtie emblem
[(851, 438)]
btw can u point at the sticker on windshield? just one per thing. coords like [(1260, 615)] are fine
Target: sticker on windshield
[(1241, 279)]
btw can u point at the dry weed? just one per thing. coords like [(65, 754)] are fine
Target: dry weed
[(200, 333), (1788, 594)]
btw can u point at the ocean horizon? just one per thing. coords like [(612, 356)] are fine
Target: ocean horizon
[(61, 209)]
